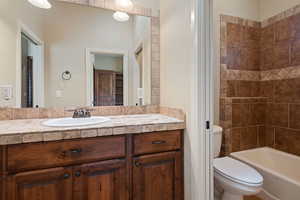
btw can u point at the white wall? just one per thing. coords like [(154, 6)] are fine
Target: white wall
[(177, 47), (248, 9), (13, 12), (79, 27), (269, 8)]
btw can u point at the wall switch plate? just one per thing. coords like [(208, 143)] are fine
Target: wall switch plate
[(6, 92), (58, 93)]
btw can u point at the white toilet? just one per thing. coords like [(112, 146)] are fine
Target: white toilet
[(233, 179)]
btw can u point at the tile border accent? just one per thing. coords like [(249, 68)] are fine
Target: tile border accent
[(242, 75), (285, 14), (280, 74), (45, 113), (155, 60), (267, 75), (87, 133)]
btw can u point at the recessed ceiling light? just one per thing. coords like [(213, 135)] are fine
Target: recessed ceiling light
[(41, 3), (121, 16)]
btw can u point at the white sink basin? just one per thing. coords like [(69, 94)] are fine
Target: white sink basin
[(68, 122)]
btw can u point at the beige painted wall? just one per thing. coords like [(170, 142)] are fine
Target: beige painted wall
[(269, 8), (177, 49), (153, 4), (79, 28), (248, 9), (11, 13)]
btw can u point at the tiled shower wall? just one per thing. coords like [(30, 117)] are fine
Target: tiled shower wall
[(260, 82), (242, 111)]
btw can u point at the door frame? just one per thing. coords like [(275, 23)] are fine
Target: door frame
[(202, 95), (38, 66), (89, 72)]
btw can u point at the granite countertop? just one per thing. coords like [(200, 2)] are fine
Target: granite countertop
[(32, 130)]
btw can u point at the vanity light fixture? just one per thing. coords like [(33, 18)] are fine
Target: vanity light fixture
[(121, 16), (41, 3)]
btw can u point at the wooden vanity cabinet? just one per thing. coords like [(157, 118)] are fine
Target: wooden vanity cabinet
[(105, 180), (49, 184), (158, 177), (139, 167)]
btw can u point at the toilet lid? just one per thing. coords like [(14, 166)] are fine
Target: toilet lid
[(237, 171)]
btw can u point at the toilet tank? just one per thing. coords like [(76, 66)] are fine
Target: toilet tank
[(217, 140)]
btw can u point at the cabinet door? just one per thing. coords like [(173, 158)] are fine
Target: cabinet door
[(50, 184), (2, 189), (158, 177), (105, 180)]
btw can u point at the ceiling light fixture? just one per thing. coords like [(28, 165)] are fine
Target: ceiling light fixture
[(41, 3), (124, 3), (121, 16)]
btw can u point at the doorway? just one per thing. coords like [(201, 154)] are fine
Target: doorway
[(30, 69), (108, 80), (106, 77), (27, 72)]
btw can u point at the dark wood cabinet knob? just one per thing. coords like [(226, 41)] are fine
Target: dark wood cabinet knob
[(137, 164), (75, 151), (78, 174), (159, 142), (66, 176)]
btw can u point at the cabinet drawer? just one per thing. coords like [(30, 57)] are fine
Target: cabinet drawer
[(52, 154), (157, 142)]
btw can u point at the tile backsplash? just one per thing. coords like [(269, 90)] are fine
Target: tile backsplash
[(260, 82), (44, 113)]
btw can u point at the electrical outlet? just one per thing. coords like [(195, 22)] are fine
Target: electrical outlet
[(140, 92)]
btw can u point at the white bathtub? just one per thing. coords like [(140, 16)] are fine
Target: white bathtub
[(281, 172)]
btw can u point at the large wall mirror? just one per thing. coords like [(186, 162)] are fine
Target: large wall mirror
[(73, 55)]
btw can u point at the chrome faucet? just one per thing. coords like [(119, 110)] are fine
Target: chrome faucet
[(82, 113)]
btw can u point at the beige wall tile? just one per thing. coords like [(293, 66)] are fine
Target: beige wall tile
[(11, 139), (71, 135), (89, 133), (53, 136), (37, 137), (105, 132), (6, 114)]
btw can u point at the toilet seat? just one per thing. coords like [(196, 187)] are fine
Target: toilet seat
[(237, 171)]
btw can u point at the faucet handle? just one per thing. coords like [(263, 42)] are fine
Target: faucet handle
[(81, 112), (87, 113)]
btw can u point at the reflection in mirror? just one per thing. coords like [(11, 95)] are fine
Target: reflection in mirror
[(72, 55), (108, 80)]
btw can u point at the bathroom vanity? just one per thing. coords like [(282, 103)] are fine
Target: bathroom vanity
[(108, 161), (98, 55)]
